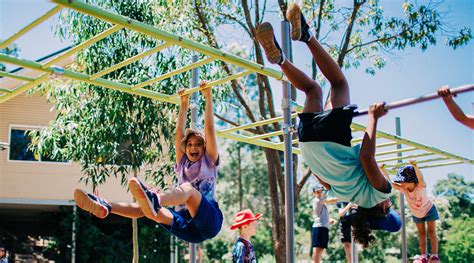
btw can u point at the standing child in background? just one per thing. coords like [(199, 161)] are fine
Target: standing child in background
[(320, 229), (197, 216), (409, 181), (246, 222), (344, 211)]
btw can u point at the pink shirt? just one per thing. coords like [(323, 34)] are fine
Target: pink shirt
[(418, 201)]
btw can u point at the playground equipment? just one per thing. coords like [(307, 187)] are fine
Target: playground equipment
[(427, 155)]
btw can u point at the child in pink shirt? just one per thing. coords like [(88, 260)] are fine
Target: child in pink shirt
[(409, 181)]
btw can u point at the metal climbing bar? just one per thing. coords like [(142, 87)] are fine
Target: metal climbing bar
[(424, 98), (168, 37), (85, 78), (173, 73), (33, 24), (213, 83), (130, 60), (83, 45), (24, 88), (420, 146), (14, 76)]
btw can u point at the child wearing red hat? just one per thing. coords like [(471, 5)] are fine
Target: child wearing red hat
[(246, 222)]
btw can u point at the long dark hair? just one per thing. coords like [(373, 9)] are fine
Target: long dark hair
[(361, 229)]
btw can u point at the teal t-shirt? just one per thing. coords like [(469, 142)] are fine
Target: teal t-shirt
[(340, 167)]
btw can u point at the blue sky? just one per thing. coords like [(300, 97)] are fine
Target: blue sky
[(412, 73)]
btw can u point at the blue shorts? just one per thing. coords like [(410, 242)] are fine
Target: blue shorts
[(320, 237), (205, 225), (432, 215)]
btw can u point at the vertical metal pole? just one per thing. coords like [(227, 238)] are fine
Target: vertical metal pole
[(194, 116), (172, 249), (402, 198), (354, 256), (287, 132), (73, 237)]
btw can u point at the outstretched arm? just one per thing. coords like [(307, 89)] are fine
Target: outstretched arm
[(367, 151), (343, 211), (454, 109), (331, 200), (181, 124), (419, 174), (385, 173), (211, 141)]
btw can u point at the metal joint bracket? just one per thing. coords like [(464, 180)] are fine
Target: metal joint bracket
[(290, 129), (57, 72), (287, 103)]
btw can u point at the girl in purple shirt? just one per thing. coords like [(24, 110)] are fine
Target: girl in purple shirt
[(197, 216)]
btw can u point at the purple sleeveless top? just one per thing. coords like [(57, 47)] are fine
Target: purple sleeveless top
[(201, 174)]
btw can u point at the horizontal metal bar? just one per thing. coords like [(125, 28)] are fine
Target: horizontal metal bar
[(418, 162), (214, 83), (168, 37), (85, 78), (413, 156), (5, 91), (406, 102), (24, 30), (14, 76), (173, 73), (267, 135), (83, 45), (25, 87), (262, 143), (130, 60), (397, 151), (440, 164), (256, 124), (415, 144), (386, 144)]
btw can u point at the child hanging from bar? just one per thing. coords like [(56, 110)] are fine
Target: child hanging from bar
[(409, 181), (197, 216), (325, 134)]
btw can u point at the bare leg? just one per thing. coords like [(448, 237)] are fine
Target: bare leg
[(339, 94), (314, 93), (348, 251), (184, 194), (433, 236), (422, 237), (318, 253), (130, 210)]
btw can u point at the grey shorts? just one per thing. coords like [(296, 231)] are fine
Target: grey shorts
[(432, 215)]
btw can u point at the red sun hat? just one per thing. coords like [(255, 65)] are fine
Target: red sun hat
[(244, 217)]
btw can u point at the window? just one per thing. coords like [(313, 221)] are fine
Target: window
[(20, 141)]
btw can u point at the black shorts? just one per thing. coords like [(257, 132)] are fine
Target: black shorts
[(320, 237), (328, 126), (345, 229)]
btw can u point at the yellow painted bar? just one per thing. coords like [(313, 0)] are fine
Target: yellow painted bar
[(130, 60), (397, 151), (262, 143), (386, 144), (13, 76), (257, 123), (24, 30), (5, 91), (168, 37), (25, 87), (267, 135), (173, 73), (441, 164), (405, 157), (214, 83), (85, 78), (418, 162), (83, 45), (417, 145)]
